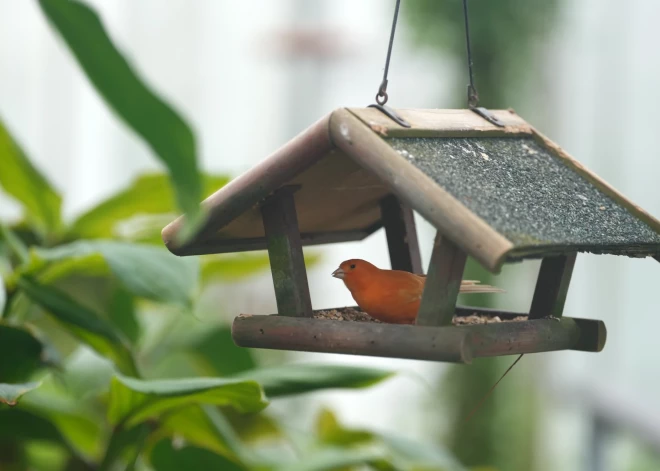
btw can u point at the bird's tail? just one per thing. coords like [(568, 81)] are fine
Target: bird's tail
[(473, 286)]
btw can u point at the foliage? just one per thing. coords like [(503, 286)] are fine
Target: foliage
[(112, 366)]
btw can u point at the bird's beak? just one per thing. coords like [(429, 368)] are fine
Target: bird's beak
[(339, 273)]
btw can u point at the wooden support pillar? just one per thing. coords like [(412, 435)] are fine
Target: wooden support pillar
[(443, 283), (552, 286), (287, 263), (402, 242)]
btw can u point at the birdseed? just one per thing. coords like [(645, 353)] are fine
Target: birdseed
[(352, 314)]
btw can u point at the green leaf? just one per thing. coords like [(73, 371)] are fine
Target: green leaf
[(164, 457), (331, 459), (133, 400), (331, 432), (81, 321), (20, 179), (23, 425), (144, 270), (24, 350), (223, 267), (14, 243), (149, 194), (252, 428), (160, 126), (418, 455), (121, 313), (76, 417), (402, 453), (86, 374), (124, 442), (218, 351), (198, 428), (302, 378), (3, 295), (11, 393)]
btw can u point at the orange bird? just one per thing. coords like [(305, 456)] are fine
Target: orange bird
[(391, 295)]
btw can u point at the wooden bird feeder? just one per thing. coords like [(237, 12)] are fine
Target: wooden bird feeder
[(498, 194)]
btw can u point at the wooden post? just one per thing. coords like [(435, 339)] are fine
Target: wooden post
[(402, 242), (287, 263), (552, 286), (443, 283)]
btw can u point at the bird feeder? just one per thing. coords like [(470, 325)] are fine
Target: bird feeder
[(499, 194)]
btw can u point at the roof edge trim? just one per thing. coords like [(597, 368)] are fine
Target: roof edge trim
[(246, 190)]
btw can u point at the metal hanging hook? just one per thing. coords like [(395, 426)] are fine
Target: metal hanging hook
[(382, 96), (472, 94)]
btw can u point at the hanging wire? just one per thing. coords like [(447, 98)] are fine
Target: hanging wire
[(473, 96), (381, 96)]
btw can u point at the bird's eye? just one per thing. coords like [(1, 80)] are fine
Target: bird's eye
[(352, 266)]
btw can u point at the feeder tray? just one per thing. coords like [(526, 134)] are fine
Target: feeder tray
[(498, 194)]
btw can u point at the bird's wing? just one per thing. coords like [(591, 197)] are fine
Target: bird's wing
[(473, 286)]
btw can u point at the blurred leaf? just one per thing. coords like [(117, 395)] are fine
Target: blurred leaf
[(331, 459), (133, 401), (82, 322), (20, 179), (235, 267), (86, 373), (11, 393), (194, 424), (254, 427), (3, 295), (23, 349), (417, 455), (121, 312), (164, 457), (218, 350), (124, 442), (75, 417), (160, 126), (302, 378), (402, 452), (144, 270), (14, 243), (330, 431), (147, 195), (224, 267), (21, 425)]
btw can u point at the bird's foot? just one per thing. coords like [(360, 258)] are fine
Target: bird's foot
[(552, 318)]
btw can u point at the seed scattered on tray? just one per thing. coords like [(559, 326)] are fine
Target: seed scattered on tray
[(356, 315)]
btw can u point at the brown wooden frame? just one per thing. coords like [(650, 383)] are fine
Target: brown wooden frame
[(357, 135), (433, 338)]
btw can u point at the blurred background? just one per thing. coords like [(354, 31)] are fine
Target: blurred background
[(250, 75)]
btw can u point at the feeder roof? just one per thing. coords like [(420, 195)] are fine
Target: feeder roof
[(501, 194)]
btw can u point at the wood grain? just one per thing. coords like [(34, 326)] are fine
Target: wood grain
[(552, 286), (402, 242), (457, 344), (442, 123), (287, 263), (443, 283)]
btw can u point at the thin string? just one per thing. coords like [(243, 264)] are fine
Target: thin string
[(381, 96), (483, 399)]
